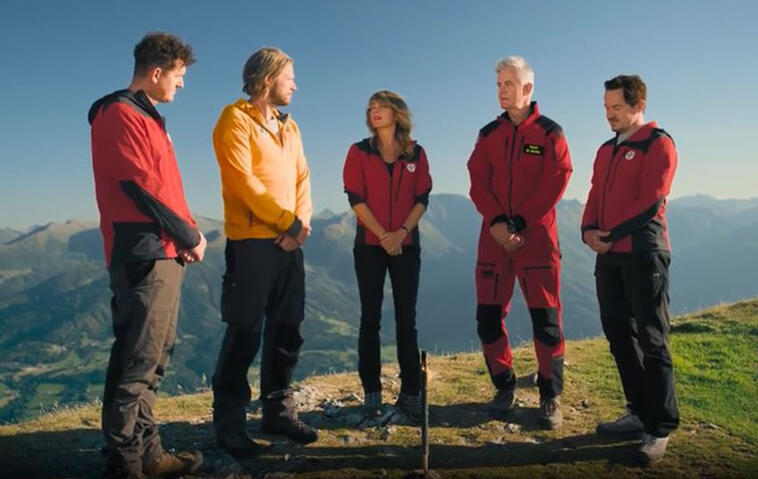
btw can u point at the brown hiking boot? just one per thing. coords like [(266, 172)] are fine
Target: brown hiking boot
[(174, 465), (551, 415)]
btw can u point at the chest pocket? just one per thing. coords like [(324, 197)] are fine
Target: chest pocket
[(531, 158), (532, 150), (627, 165)]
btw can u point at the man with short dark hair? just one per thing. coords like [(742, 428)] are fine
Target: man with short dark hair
[(624, 223), (149, 234), (267, 211)]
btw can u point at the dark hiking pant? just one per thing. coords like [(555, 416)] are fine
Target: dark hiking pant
[(632, 289), (145, 306), (261, 281), (371, 265)]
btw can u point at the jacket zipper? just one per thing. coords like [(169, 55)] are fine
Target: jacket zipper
[(601, 219), (399, 184), (510, 168), (494, 291), (389, 196)]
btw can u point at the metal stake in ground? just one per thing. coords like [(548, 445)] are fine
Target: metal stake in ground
[(425, 414), (425, 472)]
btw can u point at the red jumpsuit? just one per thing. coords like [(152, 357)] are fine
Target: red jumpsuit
[(518, 174)]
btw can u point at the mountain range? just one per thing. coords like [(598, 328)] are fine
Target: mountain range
[(55, 330)]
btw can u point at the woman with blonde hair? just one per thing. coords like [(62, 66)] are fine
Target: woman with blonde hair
[(387, 182)]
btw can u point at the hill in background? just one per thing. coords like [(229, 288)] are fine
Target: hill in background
[(55, 329)]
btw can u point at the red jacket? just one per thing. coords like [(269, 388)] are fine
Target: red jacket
[(630, 183), (519, 173), (143, 213), (390, 197)]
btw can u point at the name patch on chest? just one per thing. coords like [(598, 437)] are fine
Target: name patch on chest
[(534, 149)]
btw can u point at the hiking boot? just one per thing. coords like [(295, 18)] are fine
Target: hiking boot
[(290, 426), (410, 405), (239, 445), (627, 425), (372, 404), (551, 414), (502, 403), (652, 449), (174, 465)]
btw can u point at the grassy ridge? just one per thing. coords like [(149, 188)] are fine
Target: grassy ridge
[(716, 360)]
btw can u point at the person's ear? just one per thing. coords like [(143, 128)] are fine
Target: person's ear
[(155, 74), (641, 106)]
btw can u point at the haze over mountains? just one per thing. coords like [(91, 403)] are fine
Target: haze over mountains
[(55, 328)]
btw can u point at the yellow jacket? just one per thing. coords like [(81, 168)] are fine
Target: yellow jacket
[(265, 181)]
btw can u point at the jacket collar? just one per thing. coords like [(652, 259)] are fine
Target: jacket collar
[(534, 113), (642, 132), (138, 100), (256, 112), (367, 145)]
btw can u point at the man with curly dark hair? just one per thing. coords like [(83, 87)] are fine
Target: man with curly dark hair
[(149, 235)]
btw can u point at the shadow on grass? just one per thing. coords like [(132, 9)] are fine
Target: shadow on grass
[(77, 454)]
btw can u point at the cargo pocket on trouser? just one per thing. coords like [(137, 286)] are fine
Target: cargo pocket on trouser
[(486, 283), (232, 309)]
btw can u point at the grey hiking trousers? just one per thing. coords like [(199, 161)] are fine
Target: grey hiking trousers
[(145, 306)]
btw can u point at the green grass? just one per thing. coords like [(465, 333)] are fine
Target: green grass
[(716, 371), (45, 395), (716, 361)]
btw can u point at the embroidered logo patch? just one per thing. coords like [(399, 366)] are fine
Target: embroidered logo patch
[(410, 167), (533, 149), (629, 155)]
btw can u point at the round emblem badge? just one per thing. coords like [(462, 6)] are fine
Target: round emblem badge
[(410, 167), (629, 155)]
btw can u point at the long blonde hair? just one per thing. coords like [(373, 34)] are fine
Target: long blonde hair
[(266, 62), (402, 119)]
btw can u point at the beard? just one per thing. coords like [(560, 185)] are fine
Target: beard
[(278, 99)]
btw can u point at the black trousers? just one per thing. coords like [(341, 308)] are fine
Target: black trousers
[(632, 289), (371, 265), (261, 281), (145, 307)]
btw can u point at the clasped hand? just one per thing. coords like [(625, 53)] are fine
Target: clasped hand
[(392, 242), (509, 241), (594, 239)]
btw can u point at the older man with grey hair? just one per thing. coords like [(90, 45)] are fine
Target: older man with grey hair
[(519, 170)]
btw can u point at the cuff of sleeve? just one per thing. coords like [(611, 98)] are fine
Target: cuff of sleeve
[(422, 199), (499, 219), (516, 224), (295, 227), (354, 199), (196, 241)]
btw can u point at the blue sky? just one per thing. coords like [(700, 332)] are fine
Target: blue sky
[(698, 59)]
